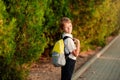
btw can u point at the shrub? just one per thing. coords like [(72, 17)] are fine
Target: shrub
[(94, 21), (22, 38)]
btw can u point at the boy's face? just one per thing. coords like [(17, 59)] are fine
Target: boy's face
[(67, 28)]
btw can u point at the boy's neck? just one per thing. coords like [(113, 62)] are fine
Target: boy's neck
[(66, 33)]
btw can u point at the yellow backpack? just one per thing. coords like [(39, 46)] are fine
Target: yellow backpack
[(58, 55)]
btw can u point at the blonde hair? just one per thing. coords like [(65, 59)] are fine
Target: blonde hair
[(63, 21)]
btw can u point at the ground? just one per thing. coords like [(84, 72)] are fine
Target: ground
[(44, 70)]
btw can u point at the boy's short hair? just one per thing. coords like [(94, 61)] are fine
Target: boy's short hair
[(63, 21)]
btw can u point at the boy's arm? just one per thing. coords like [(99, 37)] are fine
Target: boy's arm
[(77, 50)]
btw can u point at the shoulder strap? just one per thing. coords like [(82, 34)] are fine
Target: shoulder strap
[(66, 55), (66, 37)]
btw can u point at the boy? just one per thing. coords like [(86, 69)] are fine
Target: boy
[(72, 49)]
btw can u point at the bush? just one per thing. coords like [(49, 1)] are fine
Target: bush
[(22, 38), (94, 21)]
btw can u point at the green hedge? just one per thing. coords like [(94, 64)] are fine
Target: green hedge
[(21, 36), (28, 28), (94, 21)]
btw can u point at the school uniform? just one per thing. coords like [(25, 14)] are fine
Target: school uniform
[(67, 70)]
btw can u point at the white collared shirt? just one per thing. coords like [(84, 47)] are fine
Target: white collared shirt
[(69, 45)]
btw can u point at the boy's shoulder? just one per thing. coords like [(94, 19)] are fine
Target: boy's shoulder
[(66, 34), (67, 38)]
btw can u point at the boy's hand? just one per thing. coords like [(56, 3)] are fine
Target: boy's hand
[(77, 42)]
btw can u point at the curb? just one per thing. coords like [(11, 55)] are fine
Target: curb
[(77, 74)]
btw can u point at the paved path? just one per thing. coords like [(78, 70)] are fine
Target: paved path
[(104, 66)]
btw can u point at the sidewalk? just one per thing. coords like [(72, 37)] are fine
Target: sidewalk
[(103, 66)]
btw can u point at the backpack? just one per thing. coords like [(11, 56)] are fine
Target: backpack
[(58, 55)]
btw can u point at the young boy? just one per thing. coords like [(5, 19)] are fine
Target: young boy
[(72, 49)]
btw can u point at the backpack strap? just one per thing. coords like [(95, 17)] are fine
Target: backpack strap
[(66, 37), (66, 55)]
